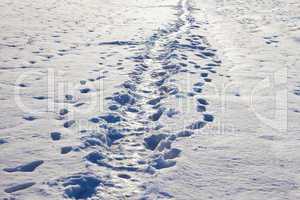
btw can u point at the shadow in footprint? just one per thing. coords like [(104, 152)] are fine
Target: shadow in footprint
[(29, 167), (18, 187)]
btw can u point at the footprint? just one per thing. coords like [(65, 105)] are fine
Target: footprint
[(113, 135), (63, 111), (124, 99), (202, 101), (183, 64), (200, 55), (132, 109), (85, 90), (199, 84), (154, 101), (297, 92), (100, 77), (204, 75), (197, 90), (55, 136), (3, 141), (172, 90), (191, 94), (92, 141), (185, 134), (65, 150), (40, 97), (155, 116), (94, 157), (69, 97), (270, 137), (172, 153), (160, 82), (161, 163), (111, 118), (18, 187), (208, 54), (271, 39), (164, 144), (124, 176), (212, 65), (171, 112), (208, 117), (94, 120), (78, 104), (29, 117), (82, 82), (197, 125), (152, 141), (119, 43), (29, 167), (207, 80), (201, 108), (295, 110), (129, 85), (69, 123), (23, 85), (113, 107), (80, 186)]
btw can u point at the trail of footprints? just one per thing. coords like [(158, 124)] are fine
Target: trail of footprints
[(130, 145)]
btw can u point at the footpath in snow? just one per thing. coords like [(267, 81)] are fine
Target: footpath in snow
[(149, 100)]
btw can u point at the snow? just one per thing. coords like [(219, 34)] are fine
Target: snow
[(149, 99)]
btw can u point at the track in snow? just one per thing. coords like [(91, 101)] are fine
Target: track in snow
[(146, 115)]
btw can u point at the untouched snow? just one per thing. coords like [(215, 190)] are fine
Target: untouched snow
[(149, 99)]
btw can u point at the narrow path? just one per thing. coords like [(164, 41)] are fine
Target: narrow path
[(159, 103)]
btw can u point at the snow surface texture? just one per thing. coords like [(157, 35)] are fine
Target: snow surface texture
[(149, 99)]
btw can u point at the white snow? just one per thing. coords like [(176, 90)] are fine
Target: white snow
[(189, 99)]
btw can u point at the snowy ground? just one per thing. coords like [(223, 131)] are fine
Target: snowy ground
[(136, 99)]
